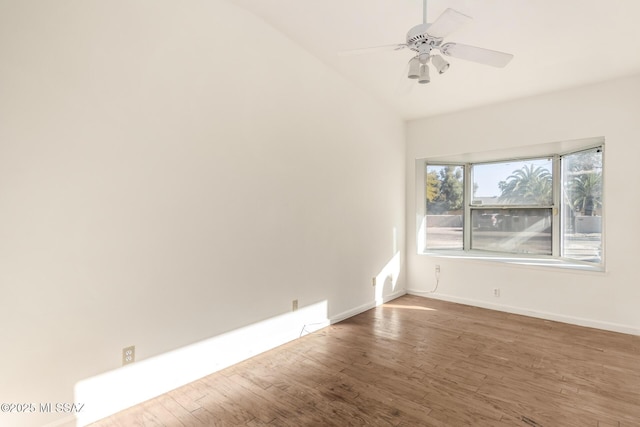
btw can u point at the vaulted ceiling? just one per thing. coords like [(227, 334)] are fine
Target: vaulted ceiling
[(557, 44)]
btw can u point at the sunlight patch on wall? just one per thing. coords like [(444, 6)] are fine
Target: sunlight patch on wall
[(387, 278), (113, 391)]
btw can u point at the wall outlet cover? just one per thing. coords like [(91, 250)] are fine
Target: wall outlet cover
[(128, 355)]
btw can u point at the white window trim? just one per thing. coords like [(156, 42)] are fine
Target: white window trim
[(555, 150)]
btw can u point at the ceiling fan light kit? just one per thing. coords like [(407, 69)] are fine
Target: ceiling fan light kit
[(440, 63), (424, 38), (414, 68), (424, 74)]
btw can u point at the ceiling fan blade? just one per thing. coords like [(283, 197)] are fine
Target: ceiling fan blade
[(476, 54), (374, 49), (448, 22)]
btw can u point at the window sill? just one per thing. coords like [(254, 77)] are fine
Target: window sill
[(517, 259)]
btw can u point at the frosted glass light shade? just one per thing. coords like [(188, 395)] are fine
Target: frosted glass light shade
[(414, 68), (424, 74)]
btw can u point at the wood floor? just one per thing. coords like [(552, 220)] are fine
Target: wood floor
[(419, 362)]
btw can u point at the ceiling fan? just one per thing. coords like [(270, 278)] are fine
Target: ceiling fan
[(424, 38)]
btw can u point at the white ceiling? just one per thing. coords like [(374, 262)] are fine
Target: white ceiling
[(556, 43)]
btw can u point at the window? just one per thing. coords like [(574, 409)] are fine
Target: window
[(512, 206), (546, 206), (582, 206), (445, 206)]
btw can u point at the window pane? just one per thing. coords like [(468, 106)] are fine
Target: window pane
[(445, 206), (582, 203), (518, 182), (519, 231)]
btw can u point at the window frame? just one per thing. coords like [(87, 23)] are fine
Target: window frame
[(556, 187), (464, 197), (553, 151)]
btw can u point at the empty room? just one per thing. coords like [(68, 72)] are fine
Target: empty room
[(307, 213)]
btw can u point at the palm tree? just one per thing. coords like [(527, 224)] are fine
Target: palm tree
[(530, 185), (586, 193)]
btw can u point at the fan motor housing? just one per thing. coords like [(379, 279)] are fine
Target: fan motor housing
[(417, 37)]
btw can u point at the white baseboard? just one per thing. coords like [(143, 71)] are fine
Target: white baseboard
[(104, 395), (589, 323), (114, 391), (361, 309)]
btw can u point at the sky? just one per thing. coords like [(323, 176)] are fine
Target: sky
[(488, 175)]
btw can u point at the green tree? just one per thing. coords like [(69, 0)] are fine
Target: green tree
[(584, 161), (433, 186), (528, 185), (451, 188), (583, 181), (586, 193), (445, 189)]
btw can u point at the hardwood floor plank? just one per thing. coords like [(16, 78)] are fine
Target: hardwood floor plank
[(188, 395), (224, 406), (418, 362), (186, 418), (289, 405)]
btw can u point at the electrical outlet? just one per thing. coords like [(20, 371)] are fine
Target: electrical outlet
[(496, 292), (373, 281), (437, 268), (128, 355), (294, 305)]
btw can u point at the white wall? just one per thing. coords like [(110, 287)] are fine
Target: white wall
[(607, 300), (170, 171)]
